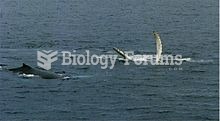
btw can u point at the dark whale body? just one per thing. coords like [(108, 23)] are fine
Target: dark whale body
[(26, 69)]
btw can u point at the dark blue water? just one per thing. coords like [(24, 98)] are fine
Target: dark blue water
[(187, 27)]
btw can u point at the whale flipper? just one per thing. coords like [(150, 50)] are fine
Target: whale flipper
[(26, 69), (158, 45), (122, 53)]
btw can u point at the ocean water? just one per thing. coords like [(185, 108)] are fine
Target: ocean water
[(126, 93)]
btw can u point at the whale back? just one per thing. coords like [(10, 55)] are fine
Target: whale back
[(24, 69)]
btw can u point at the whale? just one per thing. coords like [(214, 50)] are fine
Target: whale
[(132, 58), (26, 69), (158, 57)]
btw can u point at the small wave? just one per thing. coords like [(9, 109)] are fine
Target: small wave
[(23, 92), (137, 108), (54, 91), (191, 96), (185, 59), (19, 87), (27, 75), (150, 95), (19, 97), (83, 68), (14, 112), (3, 65), (201, 61), (76, 77), (197, 71), (83, 76), (66, 78), (164, 111)]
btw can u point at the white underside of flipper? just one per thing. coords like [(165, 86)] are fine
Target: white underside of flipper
[(158, 45)]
